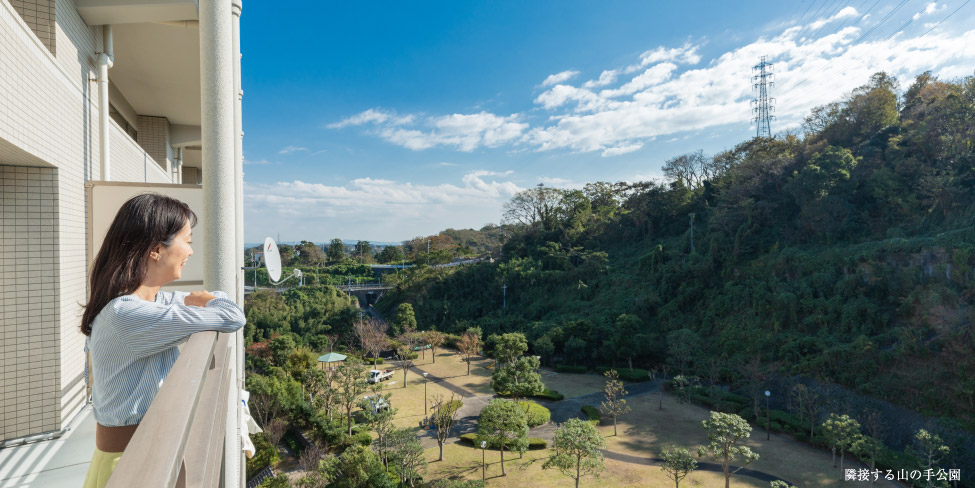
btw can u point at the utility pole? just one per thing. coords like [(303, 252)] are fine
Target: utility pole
[(762, 105), (504, 298), (692, 233)]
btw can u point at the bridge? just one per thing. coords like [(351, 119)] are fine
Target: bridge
[(366, 293)]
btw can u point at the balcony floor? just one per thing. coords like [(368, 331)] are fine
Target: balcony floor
[(51, 464)]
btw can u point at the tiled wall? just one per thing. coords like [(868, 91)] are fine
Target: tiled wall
[(39, 15), (30, 373), (49, 112), (154, 138)]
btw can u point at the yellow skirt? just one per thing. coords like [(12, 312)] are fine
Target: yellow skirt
[(101, 467)]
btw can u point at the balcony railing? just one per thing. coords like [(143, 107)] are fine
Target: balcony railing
[(180, 442)]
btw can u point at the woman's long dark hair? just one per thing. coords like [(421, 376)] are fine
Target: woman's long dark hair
[(143, 222)]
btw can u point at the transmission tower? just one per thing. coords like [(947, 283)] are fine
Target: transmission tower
[(762, 105)]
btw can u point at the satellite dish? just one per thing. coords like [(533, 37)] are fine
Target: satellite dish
[(272, 259)]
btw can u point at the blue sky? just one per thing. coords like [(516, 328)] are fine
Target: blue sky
[(385, 121)]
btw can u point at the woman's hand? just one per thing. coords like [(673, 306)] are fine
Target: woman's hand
[(198, 298)]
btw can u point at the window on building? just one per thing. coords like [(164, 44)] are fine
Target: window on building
[(124, 124)]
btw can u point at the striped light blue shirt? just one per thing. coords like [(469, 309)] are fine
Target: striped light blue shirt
[(134, 343)]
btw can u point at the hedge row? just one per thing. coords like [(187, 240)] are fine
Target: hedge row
[(537, 414), (636, 374), (545, 395), (625, 374), (549, 395), (534, 443), (592, 413), (566, 368)]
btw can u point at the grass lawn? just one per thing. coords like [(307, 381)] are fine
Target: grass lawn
[(464, 462), (409, 401), (645, 431), (572, 385)]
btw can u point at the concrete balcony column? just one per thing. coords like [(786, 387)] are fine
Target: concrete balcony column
[(236, 8), (217, 131), (220, 182)]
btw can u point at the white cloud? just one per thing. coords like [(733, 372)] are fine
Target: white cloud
[(605, 78), (291, 149), (616, 151), (260, 162), (559, 77), (667, 92), (377, 209), (929, 9), (686, 54), (464, 132), (372, 116)]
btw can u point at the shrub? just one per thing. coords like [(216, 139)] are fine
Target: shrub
[(450, 340), (294, 444), (537, 414), (787, 422), (456, 484), (565, 368), (625, 374), (550, 395), (361, 438), (264, 455), (592, 413), (747, 413), (533, 442)]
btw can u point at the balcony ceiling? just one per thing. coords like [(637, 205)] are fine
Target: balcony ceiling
[(101, 12), (157, 69)]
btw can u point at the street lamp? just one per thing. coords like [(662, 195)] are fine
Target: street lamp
[(768, 422), (483, 475), (425, 393)]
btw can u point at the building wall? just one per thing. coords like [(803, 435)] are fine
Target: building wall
[(39, 15), (29, 320), (154, 138), (49, 118)]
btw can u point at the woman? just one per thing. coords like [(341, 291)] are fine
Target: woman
[(133, 328)]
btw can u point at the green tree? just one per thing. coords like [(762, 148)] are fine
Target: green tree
[(469, 345), (614, 405), (407, 454), (545, 348), (350, 380), (684, 345), (520, 379), (868, 448), (503, 423), (357, 467), (444, 416), (435, 339), (931, 450), (627, 328), (678, 463), (726, 435), (310, 254), (403, 320), (576, 350), (577, 450), (335, 251), (509, 347), (281, 347), (841, 432), (319, 384), (363, 251), (390, 254)]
